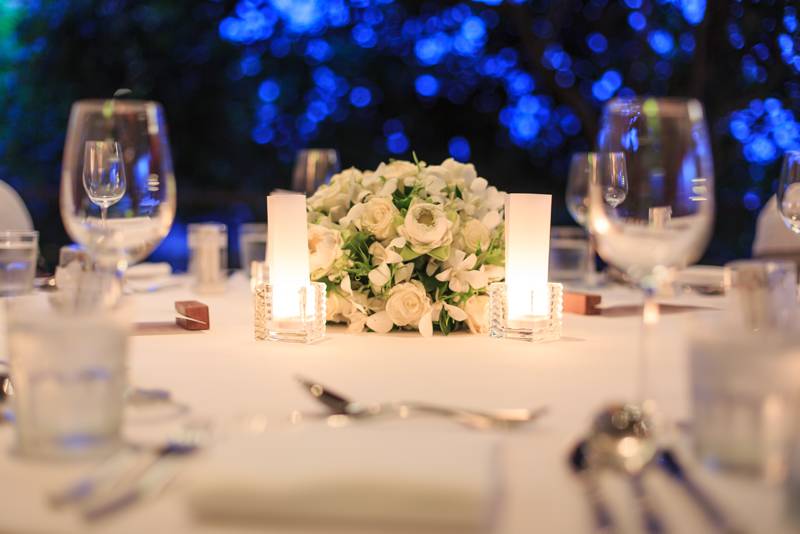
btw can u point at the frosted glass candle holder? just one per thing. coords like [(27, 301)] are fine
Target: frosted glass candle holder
[(307, 326), (535, 328)]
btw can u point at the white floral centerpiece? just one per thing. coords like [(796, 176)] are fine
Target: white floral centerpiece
[(408, 246)]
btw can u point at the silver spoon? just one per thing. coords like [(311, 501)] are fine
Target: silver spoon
[(622, 441), (481, 420)]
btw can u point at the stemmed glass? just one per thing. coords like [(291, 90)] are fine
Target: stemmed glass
[(117, 178), (313, 168), (583, 169), (103, 174), (789, 191), (666, 218)]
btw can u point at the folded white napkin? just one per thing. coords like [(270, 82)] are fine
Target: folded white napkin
[(350, 477), (701, 275), (148, 270)]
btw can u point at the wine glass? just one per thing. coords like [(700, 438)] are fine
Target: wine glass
[(583, 169), (313, 168), (789, 191), (665, 220), (103, 174), (117, 175)]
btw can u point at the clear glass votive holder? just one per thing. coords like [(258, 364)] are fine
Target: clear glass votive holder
[(569, 254), (18, 252), (208, 256), (259, 274), (69, 376), (536, 329), (742, 383), (252, 244), (762, 293), (304, 324)]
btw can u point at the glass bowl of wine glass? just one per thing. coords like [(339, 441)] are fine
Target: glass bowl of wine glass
[(117, 174)]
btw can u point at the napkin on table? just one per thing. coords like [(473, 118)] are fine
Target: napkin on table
[(350, 477)]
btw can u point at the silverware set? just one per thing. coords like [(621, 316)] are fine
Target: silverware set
[(621, 441), (133, 474)]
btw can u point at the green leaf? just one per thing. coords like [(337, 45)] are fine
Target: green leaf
[(440, 253), (408, 254)]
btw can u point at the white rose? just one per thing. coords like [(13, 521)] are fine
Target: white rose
[(337, 307), (335, 197), (324, 248), (407, 304), (426, 227), (477, 309), (403, 172), (456, 173), (474, 236), (376, 216)]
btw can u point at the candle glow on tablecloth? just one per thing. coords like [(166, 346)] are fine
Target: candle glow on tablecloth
[(527, 229), (287, 252)]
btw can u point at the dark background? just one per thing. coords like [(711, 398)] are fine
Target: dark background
[(514, 87)]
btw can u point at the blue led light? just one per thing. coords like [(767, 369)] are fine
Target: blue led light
[(519, 83), (360, 97), (250, 65), (686, 42), (633, 4), (364, 35), (597, 43), (319, 50), (426, 85), (392, 126), (269, 90), (459, 148), (474, 28), (431, 50), (739, 129), (397, 143), (693, 11), (790, 20), (637, 21), (661, 42), (751, 201)]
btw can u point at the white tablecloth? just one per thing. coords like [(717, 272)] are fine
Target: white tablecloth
[(224, 374)]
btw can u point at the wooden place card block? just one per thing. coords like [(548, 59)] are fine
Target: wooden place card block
[(582, 303), (193, 315)]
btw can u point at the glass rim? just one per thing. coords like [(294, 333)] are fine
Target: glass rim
[(124, 103), (19, 233), (206, 226)]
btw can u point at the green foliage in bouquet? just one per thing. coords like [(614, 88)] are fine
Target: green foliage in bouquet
[(408, 246)]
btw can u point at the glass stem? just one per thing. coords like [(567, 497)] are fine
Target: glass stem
[(650, 318), (103, 213), (590, 276)]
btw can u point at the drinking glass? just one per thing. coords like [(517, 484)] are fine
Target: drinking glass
[(132, 190), (103, 174), (69, 376), (252, 244), (665, 220), (17, 261), (584, 168), (208, 256), (313, 168), (789, 191), (569, 254)]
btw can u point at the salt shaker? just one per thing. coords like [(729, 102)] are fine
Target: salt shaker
[(208, 256)]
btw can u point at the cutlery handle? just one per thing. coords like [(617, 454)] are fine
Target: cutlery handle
[(650, 517), (669, 462), (601, 514)]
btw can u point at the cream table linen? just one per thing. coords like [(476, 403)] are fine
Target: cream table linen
[(225, 374)]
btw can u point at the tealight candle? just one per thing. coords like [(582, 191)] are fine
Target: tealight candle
[(527, 235), (526, 306), (287, 252), (289, 307)]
